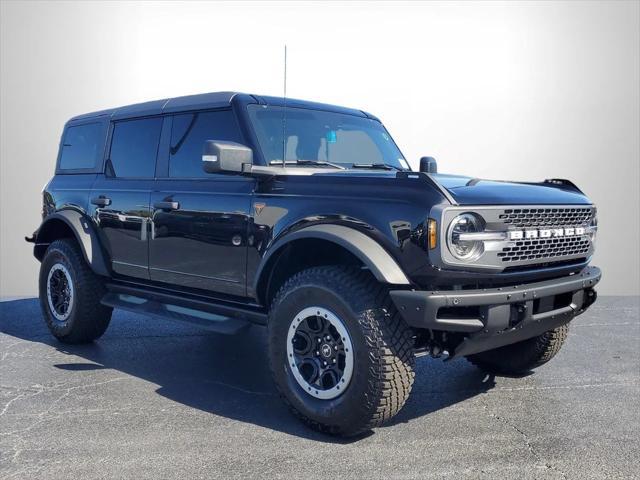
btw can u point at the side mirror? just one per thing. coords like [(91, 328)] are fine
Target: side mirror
[(219, 156), (428, 165)]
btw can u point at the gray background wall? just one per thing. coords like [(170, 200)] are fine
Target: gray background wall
[(508, 91)]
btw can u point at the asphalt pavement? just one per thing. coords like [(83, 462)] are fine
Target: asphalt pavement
[(155, 399)]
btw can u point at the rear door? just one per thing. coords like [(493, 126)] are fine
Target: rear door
[(120, 196), (199, 220)]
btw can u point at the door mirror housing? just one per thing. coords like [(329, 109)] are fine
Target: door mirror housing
[(428, 165), (219, 156)]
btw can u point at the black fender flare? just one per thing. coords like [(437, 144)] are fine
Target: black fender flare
[(84, 233), (371, 253)]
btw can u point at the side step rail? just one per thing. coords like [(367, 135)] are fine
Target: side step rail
[(152, 307)]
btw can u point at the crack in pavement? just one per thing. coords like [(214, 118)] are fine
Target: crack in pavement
[(9, 347), (38, 390), (18, 445), (66, 391), (539, 460)]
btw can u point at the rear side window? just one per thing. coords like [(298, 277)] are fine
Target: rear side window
[(134, 148), (82, 146), (188, 134)]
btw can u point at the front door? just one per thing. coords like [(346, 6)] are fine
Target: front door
[(199, 228)]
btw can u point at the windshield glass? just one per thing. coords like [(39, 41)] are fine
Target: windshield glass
[(319, 136)]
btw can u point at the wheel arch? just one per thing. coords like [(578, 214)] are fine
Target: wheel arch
[(72, 224), (321, 245)]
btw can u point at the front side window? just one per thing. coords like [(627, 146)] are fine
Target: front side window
[(134, 148), (82, 146), (188, 134), (298, 135)]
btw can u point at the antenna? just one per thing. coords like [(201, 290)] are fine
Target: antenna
[(284, 112)]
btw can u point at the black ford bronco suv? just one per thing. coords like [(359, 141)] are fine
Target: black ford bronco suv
[(227, 209)]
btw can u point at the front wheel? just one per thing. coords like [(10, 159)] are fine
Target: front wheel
[(341, 355), (70, 295)]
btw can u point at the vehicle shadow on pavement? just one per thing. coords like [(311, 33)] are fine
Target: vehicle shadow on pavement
[(224, 375)]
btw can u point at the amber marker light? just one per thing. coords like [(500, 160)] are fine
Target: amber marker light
[(433, 228)]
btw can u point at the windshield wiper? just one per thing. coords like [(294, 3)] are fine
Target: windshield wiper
[(377, 166), (319, 163)]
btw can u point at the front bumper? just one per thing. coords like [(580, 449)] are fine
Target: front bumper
[(495, 317)]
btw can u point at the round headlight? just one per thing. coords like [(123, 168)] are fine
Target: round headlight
[(465, 249)]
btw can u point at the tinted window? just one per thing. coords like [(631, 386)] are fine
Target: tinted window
[(82, 146), (188, 134), (134, 148)]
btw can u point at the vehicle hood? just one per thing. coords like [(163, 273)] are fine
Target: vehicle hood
[(473, 191)]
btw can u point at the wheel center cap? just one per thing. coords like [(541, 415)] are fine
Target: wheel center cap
[(326, 350)]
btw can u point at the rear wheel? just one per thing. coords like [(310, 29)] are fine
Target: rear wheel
[(70, 295), (341, 356), (524, 356)]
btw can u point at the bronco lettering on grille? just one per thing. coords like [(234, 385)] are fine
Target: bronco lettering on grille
[(546, 233)]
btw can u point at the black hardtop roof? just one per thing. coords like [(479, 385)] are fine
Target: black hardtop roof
[(208, 101)]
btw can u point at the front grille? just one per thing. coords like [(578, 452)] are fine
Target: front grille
[(541, 249), (547, 217)]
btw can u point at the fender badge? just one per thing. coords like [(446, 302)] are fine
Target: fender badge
[(259, 206)]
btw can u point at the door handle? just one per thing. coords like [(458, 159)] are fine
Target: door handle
[(166, 205), (101, 201)]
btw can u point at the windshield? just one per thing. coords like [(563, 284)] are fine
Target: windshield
[(325, 137)]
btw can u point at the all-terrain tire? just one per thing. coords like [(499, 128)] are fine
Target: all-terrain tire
[(522, 357), (87, 318), (383, 349)]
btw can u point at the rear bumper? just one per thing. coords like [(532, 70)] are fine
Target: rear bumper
[(495, 317)]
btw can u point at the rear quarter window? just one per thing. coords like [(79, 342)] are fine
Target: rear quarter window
[(82, 147)]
